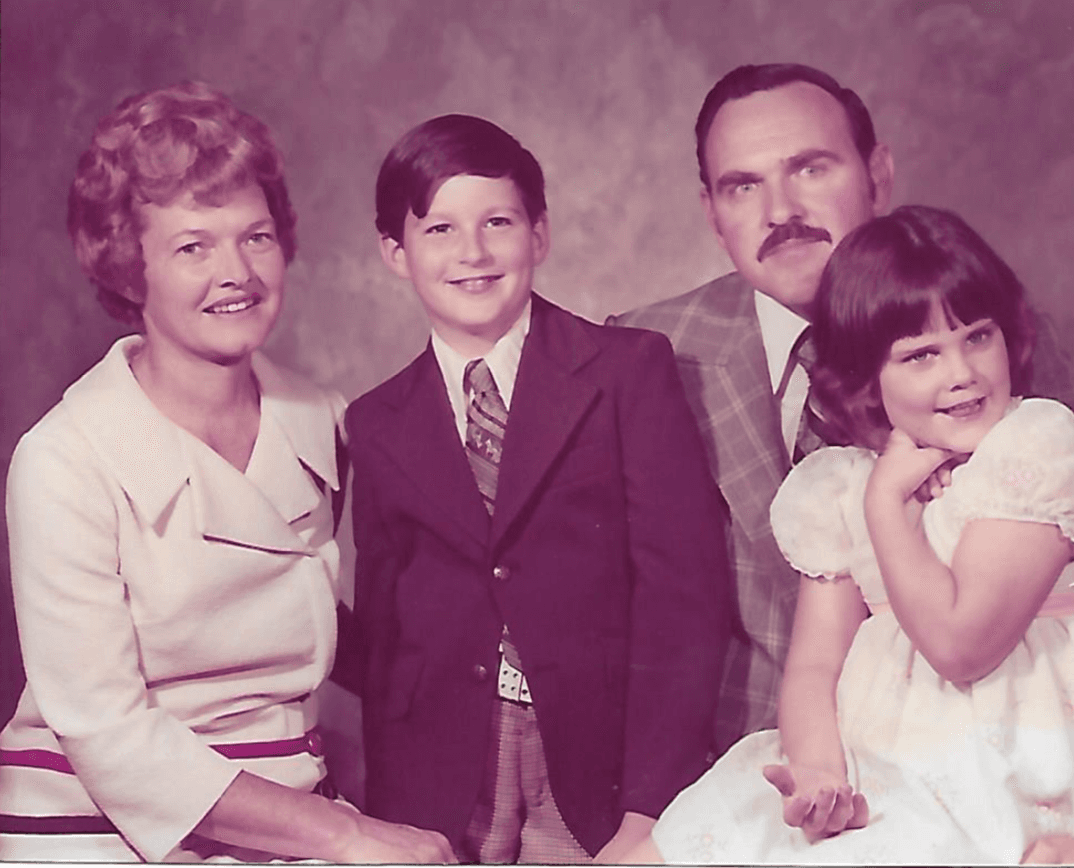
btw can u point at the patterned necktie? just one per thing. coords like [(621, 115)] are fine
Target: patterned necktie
[(805, 353), (486, 422)]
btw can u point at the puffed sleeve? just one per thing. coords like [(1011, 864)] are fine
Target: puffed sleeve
[(1023, 470), (817, 515)]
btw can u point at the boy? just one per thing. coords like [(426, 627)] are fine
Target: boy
[(542, 587)]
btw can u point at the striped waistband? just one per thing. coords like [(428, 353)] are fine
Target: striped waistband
[(49, 759), (12, 824), (67, 824)]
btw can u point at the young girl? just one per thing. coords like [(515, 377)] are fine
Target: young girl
[(927, 709)]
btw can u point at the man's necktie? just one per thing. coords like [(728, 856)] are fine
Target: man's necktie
[(805, 354), (486, 422)]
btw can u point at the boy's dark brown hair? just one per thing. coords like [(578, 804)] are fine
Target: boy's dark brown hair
[(441, 148)]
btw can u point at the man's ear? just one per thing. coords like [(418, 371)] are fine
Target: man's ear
[(710, 215), (542, 239), (882, 171), (391, 251)]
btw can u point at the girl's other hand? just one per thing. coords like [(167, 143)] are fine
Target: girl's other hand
[(822, 804), (938, 480)]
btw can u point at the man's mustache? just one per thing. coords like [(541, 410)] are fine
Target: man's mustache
[(790, 231)]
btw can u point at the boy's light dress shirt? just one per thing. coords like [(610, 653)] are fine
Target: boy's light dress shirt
[(503, 360)]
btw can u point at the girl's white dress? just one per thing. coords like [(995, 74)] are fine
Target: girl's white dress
[(952, 774)]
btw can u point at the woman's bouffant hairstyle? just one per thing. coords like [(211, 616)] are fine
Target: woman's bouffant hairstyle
[(156, 147), (880, 285), (441, 148)]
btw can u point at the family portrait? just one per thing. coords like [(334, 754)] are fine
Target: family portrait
[(566, 433)]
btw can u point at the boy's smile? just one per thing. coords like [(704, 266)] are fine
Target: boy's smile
[(471, 259)]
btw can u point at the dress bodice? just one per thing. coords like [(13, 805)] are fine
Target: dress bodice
[(1023, 470)]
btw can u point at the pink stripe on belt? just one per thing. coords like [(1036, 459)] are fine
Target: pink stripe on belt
[(47, 759)]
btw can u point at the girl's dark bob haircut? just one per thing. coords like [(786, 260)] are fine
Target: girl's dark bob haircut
[(881, 285)]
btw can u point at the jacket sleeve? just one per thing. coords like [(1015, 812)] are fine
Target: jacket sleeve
[(372, 623), (145, 769), (681, 602)]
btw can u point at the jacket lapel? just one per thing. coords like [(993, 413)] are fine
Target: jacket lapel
[(228, 507), (549, 402), (155, 461), (724, 347), (421, 439)]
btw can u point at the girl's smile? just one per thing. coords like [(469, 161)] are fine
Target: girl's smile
[(949, 385)]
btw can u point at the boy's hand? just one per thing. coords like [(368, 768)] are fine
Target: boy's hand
[(632, 831), (822, 804)]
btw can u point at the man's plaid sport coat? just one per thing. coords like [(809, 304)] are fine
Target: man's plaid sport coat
[(717, 340)]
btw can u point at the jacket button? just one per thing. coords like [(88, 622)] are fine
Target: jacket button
[(480, 672), (501, 573)]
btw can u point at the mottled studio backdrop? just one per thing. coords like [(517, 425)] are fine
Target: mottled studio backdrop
[(975, 98)]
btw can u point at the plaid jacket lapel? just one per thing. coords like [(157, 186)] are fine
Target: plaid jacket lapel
[(721, 356)]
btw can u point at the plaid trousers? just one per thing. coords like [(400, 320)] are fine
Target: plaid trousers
[(516, 818)]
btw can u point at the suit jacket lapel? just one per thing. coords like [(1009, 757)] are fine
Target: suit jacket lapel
[(423, 442), (724, 341), (549, 402)]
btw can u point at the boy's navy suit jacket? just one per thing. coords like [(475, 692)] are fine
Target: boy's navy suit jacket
[(605, 557)]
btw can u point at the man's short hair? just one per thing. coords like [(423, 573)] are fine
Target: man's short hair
[(442, 148), (744, 80)]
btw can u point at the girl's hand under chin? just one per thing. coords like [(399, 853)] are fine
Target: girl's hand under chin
[(910, 472)]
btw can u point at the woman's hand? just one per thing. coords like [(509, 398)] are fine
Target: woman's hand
[(380, 842), (821, 803), (259, 814)]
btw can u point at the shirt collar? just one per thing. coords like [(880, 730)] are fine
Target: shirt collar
[(780, 328), (503, 360), (303, 413), (147, 452)]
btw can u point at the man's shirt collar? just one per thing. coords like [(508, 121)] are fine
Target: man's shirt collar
[(780, 328)]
